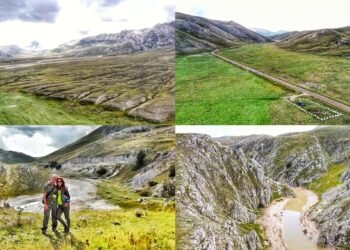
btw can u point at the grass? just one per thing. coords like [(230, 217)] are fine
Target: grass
[(140, 85), (103, 230), (246, 228), (210, 91), (24, 109), (125, 198), (323, 74), (329, 180)]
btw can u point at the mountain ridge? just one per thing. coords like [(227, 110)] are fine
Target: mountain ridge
[(195, 34)]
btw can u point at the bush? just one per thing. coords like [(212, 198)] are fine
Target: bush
[(144, 193), (139, 213), (152, 183), (172, 171), (101, 171), (140, 160)]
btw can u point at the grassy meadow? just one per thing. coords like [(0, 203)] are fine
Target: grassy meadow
[(23, 109), (118, 89), (326, 75), (210, 91)]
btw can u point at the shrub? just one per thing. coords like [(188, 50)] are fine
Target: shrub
[(172, 171), (140, 160), (101, 171), (145, 193), (152, 183)]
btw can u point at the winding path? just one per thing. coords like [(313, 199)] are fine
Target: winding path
[(83, 196), (283, 83)]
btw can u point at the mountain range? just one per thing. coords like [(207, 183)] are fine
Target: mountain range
[(333, 42), (224, 182), (12, 157), (124, 42), (195, 34)]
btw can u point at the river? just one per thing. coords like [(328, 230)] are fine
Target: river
[(287, 227)]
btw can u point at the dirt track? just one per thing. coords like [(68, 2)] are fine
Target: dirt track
[(288, 85), (83, 196)]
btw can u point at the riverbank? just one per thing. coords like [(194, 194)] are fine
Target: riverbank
[(272, 219)]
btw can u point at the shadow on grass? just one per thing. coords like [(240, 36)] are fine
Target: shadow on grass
[(58, 240)]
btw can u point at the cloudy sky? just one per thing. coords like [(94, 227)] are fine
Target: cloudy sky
[(40, 140), (218, 131), (53, 22), (273, 15)]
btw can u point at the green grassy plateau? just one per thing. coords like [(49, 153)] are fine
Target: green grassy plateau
[(24, 109), (128, 87), (322, 74), (210, 91)]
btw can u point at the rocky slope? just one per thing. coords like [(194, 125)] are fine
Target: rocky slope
[(195, 34), (12, 157), (241, 174), (334, 42), (125, 42), (20, 179), (332, 215), (296, 159), (282, 36), (132, 155), (219, 191)]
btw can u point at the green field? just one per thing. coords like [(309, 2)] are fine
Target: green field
[(322, 74), (210, 91), (329, 180), (25, 109), (140, 85)]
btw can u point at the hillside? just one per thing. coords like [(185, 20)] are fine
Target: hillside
[(124, 42), (224, 183), (282, 36), (11, 157), (195, 34), (134, 156), (333, 42)]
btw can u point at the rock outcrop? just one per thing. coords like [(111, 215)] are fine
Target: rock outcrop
[(219, 190), (196, 34), (125, 42), (223, 181)]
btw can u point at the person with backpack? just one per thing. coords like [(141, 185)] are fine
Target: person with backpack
[(63, 203), (50, 204)]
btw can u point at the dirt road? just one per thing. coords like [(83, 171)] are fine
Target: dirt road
[(83, 196), (288, 85)]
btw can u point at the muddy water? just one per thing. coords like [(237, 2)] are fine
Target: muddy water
[(293, 232), (83, 196)]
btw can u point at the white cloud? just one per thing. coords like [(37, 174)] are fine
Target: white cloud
[(218, 131), (37, 145), (273, 14), (77, 17), (40, 140)]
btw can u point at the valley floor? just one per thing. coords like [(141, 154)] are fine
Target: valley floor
[(121, 222), (275, 224), (211, 91)]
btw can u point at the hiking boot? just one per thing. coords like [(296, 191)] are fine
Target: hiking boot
[(66, 230), (54, 230), (43, 231)]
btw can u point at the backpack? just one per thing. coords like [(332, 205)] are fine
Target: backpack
[(48, 194)]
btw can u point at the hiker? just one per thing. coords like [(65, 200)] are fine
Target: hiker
[(50, 204), (63, 200)]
